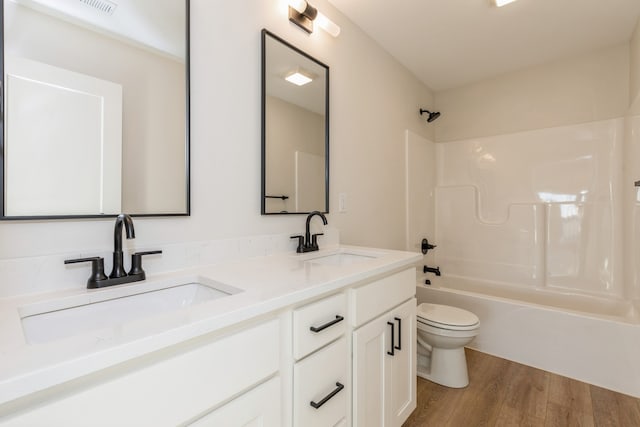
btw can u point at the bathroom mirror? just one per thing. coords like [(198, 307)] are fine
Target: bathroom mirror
[(295, 129), (96, 108)]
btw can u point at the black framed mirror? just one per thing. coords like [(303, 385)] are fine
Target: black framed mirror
[(96, 108), (295, 129)]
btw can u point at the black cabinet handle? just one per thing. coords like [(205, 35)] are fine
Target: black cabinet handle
[(339, 387), (393, 340), (326, 325), (399, 320)]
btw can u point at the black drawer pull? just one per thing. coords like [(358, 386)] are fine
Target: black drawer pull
[(393, 340), (326, 325), (399, 320), (339, 387)]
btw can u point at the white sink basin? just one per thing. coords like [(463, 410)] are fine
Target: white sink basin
[(51, 321), (343, 258)]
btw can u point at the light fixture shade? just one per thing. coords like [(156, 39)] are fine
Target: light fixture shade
[(299, 5), (305, 15), (500, 3), (327, 24)]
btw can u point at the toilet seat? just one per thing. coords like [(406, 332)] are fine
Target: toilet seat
[(447, 317)]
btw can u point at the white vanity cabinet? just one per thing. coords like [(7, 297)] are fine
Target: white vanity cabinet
[(170, 390), (344, 355), (384, 352)]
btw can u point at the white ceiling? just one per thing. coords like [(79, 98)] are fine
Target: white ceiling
[(449, 43)]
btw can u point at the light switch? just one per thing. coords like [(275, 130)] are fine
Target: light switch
[(342, 202)]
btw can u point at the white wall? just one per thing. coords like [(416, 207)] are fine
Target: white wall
[(373, 101), (634, 66), (590, 87)]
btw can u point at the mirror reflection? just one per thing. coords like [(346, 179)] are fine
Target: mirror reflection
[(295, 139), (96, 117)]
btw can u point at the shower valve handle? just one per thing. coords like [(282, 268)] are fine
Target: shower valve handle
[(426, 246)]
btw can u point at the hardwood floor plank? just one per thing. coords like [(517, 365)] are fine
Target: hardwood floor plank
[(436, 404), (527, 392), (509, 417), (504, 393), (611, 409), (481, 401), (562, 416), (571, 394)]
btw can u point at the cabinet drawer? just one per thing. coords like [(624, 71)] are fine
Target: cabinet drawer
[(322, 378), (327, 317), (259, 406), (371, 300), (171, 391)]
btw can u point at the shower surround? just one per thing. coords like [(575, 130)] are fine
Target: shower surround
[(540, 209), (538, 234)]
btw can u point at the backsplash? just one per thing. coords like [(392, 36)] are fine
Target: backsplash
[(48, 273)]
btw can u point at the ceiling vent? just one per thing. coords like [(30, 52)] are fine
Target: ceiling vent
[(103, 6)]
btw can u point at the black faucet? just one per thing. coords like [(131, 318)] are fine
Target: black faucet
[(118, 263), (309, 242), (118, 275), (435, 271)]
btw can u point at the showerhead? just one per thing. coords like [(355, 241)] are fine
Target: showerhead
[(432, 115)]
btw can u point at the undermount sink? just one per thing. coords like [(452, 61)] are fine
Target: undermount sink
[(342, 258), (108, 308)]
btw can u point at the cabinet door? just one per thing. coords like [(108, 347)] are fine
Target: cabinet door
[(384, 371), (401, 376), (371, 343)]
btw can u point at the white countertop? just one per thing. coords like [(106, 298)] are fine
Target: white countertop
[(267, 283)]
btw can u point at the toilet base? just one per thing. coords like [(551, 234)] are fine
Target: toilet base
[(447, 367)]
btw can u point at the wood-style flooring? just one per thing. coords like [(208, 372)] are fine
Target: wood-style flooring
[(505, 393)]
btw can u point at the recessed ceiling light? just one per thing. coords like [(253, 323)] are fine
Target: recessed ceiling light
[(500, 3), (298, 78)]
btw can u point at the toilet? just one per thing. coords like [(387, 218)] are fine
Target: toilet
[(443, 331)]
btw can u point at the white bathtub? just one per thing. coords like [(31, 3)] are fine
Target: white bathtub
[(591, 339)]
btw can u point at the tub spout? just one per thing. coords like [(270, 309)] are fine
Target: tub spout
[(427, 269)]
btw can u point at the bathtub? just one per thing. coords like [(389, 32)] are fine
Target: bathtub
[(588, 338)]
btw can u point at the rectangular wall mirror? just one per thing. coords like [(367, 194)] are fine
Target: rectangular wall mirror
[(96, 117), (295, 129)]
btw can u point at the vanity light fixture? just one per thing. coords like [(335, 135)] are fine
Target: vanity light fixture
[(304, 15), (500, 3), (298, 78)]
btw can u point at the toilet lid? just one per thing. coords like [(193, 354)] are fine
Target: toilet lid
[(446, 317)]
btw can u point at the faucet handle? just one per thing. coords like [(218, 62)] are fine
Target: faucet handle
[(136, 263), (97, 269), (314, 239), (426, 246), (300, 243)]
